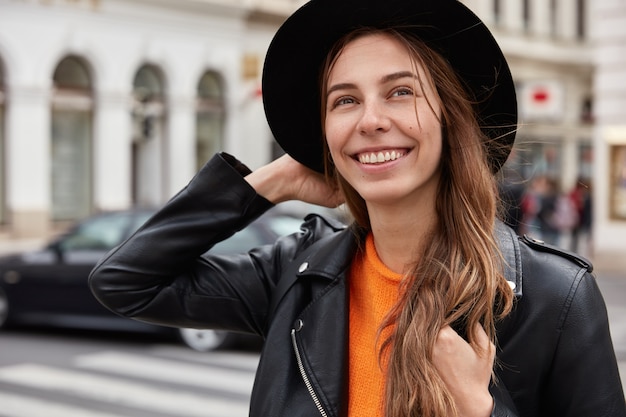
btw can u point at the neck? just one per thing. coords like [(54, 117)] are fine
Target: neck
[(400, 234)]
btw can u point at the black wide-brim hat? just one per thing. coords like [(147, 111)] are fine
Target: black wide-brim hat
[(291, 74)]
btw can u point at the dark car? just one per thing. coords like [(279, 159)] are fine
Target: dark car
[(49, 286)]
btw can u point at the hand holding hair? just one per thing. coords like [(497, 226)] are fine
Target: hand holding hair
[(466, 369)]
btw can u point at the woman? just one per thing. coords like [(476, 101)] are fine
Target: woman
[(399, 314)]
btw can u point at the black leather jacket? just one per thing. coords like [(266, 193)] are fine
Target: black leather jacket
[(555, 352)]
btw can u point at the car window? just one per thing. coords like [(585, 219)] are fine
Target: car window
[(139, 220), (240, 242), (99, 233), (284, 225), (257, 234)]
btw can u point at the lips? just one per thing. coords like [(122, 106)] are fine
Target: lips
[(380, 157)]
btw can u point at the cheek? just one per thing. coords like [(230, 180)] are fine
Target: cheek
[(431, 136), (430, 125), (437, 149), (337, 157), (335, 135)]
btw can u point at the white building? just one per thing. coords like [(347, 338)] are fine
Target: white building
[(546, 44), (609, 35), (105, 104), (112, 103)]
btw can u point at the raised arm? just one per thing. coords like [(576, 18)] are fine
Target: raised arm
[(285, 179)]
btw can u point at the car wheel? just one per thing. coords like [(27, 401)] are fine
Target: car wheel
[(4, 308), (205, 340)]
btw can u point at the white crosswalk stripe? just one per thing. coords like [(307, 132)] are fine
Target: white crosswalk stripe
[(131, 382), (238, 360), (167, 371), (15, 405)]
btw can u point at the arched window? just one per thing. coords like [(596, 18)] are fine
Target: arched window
[(2, 156), (148, 170), (71, 137), (209, 117)]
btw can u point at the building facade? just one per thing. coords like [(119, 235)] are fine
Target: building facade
[(609, 36), (106, 104), (114, 103), (547, 45)]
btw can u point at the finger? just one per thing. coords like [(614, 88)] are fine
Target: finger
[(448, 342), (482, 341), (480, 336), (447, 333)]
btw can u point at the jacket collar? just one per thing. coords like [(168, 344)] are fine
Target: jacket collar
[(335, 253), (509, 247)]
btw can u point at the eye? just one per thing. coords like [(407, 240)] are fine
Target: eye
[(402, 91), (343, 101)]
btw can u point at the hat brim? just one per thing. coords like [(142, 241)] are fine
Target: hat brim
[(291, 95)]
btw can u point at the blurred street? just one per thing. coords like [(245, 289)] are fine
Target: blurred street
[(70, 373)]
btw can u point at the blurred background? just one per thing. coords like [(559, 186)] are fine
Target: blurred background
[(111, 105)]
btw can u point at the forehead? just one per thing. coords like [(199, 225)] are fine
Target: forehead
[(375, 53)]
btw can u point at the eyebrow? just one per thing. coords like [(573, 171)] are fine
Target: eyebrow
[(387, 78), (398, 75)]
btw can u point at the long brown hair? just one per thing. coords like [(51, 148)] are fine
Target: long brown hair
[(458, 278)]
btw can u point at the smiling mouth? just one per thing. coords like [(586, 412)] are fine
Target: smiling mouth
[(380, 157)]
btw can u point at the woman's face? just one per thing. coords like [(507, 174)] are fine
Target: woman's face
[(383, 135)]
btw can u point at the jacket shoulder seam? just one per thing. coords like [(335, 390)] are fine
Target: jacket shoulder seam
[(541, 246)]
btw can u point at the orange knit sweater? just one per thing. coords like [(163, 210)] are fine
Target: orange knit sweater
[(373, 292)]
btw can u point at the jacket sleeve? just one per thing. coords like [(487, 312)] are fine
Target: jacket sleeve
[(560, 360), (503, 405), (502, 410), (162, 275), (584, 378)]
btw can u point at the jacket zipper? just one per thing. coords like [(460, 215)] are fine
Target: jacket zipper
[(305, 377)]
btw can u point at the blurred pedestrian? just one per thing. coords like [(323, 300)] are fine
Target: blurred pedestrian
[(558, 215), (546, 216), (581, 232), (409, 109), (531, 204)]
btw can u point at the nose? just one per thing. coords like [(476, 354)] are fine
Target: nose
[(374, 119)]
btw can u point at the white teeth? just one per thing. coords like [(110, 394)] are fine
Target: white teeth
[(379, 157)]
